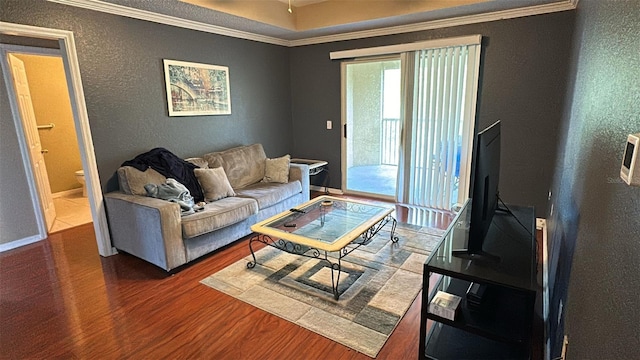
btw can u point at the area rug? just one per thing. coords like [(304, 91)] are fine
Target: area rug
[(378, 284)]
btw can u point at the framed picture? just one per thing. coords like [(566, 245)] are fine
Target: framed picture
[(196, 89)]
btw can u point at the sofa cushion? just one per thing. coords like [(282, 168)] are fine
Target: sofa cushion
[(214, 183), (218, 214), (132, 180), (199, 162), (268, 194), (244, 165), (277, 170)]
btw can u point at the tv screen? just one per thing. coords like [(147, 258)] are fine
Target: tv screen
[(628, 155), (485, 176)]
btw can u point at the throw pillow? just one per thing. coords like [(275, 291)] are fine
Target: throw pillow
[(132, 180), (214, 183), (277, 170)]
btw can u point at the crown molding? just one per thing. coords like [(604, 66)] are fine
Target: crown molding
[(139, 14), (443, 23)]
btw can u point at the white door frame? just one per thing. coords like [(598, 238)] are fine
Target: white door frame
[(83, 132)]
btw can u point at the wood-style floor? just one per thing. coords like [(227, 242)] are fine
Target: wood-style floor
[(60, 299)]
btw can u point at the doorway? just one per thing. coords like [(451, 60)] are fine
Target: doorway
[(55, 129), (371, 121), (67, 49)]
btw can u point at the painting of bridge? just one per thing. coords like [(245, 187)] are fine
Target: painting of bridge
[(197, 89)]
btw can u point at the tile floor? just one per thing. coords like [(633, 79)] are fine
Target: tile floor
[(72, 209)]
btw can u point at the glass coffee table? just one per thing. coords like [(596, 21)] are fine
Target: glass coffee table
[(322, 226)]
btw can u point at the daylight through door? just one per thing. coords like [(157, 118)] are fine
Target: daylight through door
[(371, 126)]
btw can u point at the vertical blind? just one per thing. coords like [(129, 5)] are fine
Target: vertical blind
[(439, 121)]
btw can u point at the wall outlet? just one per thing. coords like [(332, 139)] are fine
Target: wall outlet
[(329, 124)]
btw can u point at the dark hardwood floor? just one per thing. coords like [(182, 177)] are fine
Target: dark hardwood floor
[(60, 299)]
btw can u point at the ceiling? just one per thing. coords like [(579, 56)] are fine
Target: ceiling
[(318, 14), (315, 21)]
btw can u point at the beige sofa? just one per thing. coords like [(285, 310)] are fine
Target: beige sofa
[(154, 230)]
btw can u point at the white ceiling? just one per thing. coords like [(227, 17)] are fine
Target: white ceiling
[(181, 13)]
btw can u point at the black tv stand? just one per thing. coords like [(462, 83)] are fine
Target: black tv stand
[(498, 324)]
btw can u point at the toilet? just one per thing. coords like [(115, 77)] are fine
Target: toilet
[(80, 178)]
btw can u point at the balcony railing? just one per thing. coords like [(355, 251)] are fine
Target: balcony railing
[(390, 142)]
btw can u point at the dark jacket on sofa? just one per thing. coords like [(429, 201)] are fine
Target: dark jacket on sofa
[(171, 166)]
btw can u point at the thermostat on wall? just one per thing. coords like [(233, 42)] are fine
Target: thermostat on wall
[(630, 170)]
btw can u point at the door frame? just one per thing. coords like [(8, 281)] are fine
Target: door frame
[(83, 133)]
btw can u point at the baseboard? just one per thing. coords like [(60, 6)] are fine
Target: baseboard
[(67, 193), (322, 189), (18, 243)]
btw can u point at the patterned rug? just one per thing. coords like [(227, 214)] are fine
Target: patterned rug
[(378, 284)]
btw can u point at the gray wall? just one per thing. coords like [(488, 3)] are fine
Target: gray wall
[(594, 230), (122, 74), (523, 76), (524, 72)]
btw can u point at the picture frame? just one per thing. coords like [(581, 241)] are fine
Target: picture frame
[(195, 89)]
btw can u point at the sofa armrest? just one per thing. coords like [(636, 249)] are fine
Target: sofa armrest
[(300, 172), (146, 227)]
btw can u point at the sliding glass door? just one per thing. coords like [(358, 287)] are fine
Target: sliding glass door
[(371, 126), (408, 122)]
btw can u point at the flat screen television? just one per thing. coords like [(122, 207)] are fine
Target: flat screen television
[(485, 176)]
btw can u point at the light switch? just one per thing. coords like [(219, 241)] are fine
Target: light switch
[(329, 125)]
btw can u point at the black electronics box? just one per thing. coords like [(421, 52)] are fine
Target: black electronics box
[(475, 294)]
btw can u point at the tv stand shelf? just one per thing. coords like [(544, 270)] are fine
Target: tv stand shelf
[(499, 318), (500, 327)]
